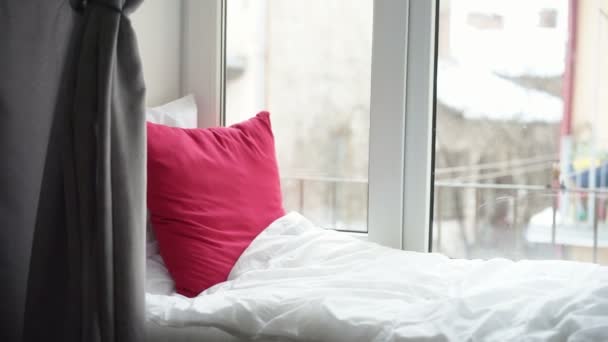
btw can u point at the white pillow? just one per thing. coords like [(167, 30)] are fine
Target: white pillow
[(158, 280), (178, 113)]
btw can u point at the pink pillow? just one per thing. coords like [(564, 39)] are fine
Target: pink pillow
[(210, 193)]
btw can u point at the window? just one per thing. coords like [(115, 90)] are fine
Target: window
[(493, 145), (309, 63), (334, 76), (521, 158)]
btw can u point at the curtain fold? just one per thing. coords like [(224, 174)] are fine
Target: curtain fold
[(105, 176)]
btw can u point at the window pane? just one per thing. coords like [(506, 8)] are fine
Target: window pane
[(308, 62), (519, 117)]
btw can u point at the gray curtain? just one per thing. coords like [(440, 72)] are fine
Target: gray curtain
[(72, 181)]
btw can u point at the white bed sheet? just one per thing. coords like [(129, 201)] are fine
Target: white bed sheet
[(299, 282)]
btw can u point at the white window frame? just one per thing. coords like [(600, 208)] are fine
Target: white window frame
[(401, 108), (203, 50), (420, 117)]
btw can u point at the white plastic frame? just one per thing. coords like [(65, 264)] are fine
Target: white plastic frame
[(402, 113), (203, 47)]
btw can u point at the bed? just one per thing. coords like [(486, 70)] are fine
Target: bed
[(297, 281)]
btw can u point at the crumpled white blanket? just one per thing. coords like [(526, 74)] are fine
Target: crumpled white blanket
[(299, 282)]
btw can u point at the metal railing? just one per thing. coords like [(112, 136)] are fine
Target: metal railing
[(598, 196), (333, 183)]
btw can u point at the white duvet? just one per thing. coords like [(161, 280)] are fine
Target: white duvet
[(299, 282)]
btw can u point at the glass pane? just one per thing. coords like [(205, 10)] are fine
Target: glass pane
[(309, 63), (521, 157)]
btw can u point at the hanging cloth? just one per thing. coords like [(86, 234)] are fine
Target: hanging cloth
[(104, 178), (105, 175), (38, 50)]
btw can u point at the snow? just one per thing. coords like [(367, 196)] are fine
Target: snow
[(480, 94)]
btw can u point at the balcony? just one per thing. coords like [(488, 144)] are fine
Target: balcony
[(477, 219)]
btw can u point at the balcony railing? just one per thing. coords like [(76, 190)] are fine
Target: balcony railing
[(595, 200), (596, 197), (332, 184)]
